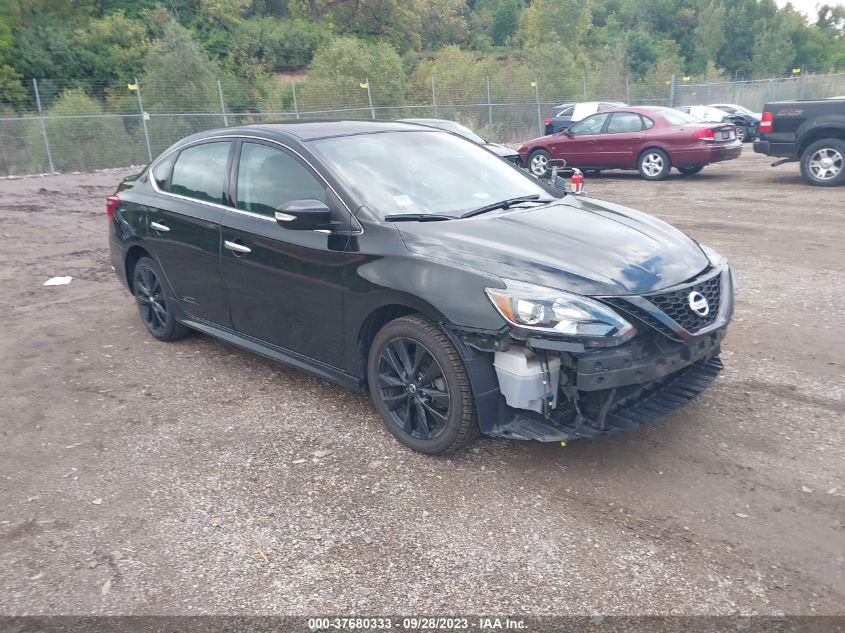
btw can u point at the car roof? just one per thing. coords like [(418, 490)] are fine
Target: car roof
[(311, 130)]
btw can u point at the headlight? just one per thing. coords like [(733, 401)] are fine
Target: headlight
[(556, 312)]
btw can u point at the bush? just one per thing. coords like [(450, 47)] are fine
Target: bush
[(83, 142)]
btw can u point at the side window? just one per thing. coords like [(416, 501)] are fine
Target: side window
[(161, 172), (648, 123), (200, 171), (269, 178), (621, 122), (567, 112), (590, 125)]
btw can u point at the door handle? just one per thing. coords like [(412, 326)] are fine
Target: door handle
[(237, 248), (159, 227)]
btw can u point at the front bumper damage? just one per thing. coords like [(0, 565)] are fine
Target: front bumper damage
[(612, 389)]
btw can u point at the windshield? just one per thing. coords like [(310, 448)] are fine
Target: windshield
[(431, 173)]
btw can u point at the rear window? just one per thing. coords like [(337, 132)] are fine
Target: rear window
[(200, 172), (676, 117)]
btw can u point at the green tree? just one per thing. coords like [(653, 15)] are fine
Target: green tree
[(547, 21), (443, 22), (178, 79), (708, 36), (339, 70), (505, 21), (774, 52)]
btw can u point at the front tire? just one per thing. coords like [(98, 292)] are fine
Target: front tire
[(823, 163), (742, 133), (155, 305), (654, 164), (538, 163), (420, 387)]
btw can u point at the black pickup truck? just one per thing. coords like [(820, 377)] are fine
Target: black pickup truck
[(812, 132)]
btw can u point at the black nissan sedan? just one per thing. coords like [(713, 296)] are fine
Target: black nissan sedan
[(417, 265)]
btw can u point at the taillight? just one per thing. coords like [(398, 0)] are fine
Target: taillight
[(766, 122), (111, 205), (548, 121), (705, 134)]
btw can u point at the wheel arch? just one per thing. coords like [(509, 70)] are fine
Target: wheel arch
[(134, 253), (652, 146), (381, 316), (821, 133)]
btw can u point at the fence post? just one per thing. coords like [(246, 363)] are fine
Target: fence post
[(585, 86), (489, 111), (539, 113), (43, 127), (433, 97), (144, 120), (672, 86), (370, 98), (295, 106), (627, 90), (222, 104)]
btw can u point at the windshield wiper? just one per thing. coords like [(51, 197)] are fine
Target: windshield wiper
[(417, 217), (504, 204)]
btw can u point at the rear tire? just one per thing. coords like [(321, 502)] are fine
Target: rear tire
[(420, 387), (742, 133), (156, 306), (538, 163), (654, 164), (823, 163), (690, 171)]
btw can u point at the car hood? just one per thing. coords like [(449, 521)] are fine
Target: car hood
[(580, 245), (501, 150)]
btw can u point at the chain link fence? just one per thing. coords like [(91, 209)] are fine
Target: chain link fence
[(63, 129)]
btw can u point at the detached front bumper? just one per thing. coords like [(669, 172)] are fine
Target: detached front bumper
[(674, 357)]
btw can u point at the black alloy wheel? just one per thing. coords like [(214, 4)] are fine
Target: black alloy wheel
[(420, 387), (413, 388), (154, 305)]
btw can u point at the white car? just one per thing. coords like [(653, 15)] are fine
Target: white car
[(706, 113)]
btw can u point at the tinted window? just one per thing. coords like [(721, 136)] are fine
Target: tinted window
[(590, 125), (566, 112), (200, 172), (161, 172), (269, 178), (624, 122)]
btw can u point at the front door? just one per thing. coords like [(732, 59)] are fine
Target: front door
[(581, 147), (284, 287), (184, 227)]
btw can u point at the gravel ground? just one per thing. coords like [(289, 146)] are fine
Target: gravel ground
[(138, 477)]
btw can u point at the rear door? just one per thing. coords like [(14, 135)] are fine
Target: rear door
[(622, 138), (285, 287), (582, 148), (184, 227)]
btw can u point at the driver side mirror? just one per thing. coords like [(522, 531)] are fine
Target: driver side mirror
[(304, 215), (568, 132)]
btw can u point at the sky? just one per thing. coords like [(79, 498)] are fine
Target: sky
[(808, 7)]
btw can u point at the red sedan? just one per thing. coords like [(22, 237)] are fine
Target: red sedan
[(647, 138)]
